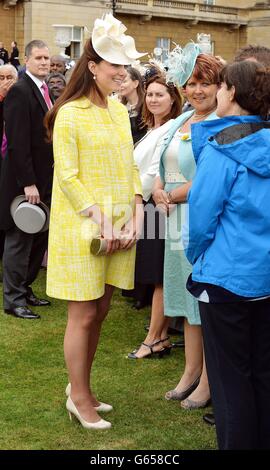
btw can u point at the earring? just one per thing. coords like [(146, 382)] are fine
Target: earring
[(94, 77)]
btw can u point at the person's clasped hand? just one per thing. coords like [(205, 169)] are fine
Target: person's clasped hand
[(131, 230), (161, 200), (128, 235), (111, 236)]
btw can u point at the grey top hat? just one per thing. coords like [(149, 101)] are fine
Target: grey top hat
[(30, 218)]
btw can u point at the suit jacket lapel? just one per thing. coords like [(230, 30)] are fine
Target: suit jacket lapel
[(36, 92)]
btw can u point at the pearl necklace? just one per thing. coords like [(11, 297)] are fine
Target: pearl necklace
[(201, 116)]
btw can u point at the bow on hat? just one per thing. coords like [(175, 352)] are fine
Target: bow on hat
[(111, 43)]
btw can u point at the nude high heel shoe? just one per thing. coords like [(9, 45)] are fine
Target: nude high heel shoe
[(105, 407), (72, 411), (68, 389)]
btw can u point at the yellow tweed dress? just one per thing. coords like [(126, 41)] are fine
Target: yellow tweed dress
[(94, 164)]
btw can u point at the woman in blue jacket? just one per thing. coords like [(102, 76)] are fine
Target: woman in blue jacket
[(198, 74), (229, 246)]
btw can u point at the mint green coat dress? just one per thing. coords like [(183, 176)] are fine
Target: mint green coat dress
[(178, 302)]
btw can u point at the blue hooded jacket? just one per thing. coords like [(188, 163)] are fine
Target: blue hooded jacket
[(229, 209)]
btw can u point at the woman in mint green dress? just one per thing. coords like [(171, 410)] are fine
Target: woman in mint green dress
[(177, 169)]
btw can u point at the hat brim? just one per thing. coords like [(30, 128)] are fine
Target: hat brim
[(181, 63), (19, 199)]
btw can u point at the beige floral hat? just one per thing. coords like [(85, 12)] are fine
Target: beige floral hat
[(112, 44)]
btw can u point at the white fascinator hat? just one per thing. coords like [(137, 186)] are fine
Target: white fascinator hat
[(112, 44)]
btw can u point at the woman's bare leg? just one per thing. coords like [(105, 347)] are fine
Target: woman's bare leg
[(202, 391), (80, 344), (158, 324), (193, 356), (103, 305), (82, 319)]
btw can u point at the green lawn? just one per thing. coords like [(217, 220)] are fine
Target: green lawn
[(33, 379)]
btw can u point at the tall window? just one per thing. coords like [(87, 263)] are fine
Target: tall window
[(164, 45), (209, 2), (75, 48)]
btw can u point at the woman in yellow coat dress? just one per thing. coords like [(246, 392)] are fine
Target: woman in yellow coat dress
[(96, 192)]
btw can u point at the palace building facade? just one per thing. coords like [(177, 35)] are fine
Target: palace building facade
[(155, 24)]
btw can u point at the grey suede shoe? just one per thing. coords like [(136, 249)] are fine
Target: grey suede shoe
[(188, 404), (175, 395)]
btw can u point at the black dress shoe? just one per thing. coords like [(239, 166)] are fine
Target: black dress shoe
[(22, 312), (209, 418), (31, 299)]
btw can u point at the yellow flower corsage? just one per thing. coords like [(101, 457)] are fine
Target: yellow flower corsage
[(185, 137)]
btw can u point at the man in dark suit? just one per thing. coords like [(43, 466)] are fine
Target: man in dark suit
[(27, 170), (2, 97)]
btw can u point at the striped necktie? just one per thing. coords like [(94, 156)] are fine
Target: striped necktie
[(4, 146)]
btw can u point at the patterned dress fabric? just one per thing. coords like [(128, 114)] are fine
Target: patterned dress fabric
[(178, 302), (177, 160), (94, 164)]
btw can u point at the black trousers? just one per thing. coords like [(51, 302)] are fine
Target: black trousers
[(237, 351), (2, 233), (2, 241), (22, 257)]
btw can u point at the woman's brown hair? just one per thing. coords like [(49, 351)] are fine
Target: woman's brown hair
[(251, 81), (147, 116), (81, 84), (257, 53), (207, 67), (135, 75)]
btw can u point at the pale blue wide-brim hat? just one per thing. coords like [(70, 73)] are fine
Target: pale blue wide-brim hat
[(181, 63)]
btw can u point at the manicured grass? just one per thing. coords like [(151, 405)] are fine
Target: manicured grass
[(33, 379)]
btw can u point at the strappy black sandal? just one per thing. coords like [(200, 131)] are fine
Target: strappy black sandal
[(168, 347), (153, 354)]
